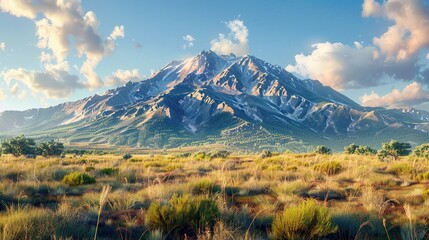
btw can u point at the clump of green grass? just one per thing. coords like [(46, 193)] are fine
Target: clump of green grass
[(182, 215), (423, 176), (329, 168), (78, 178), (305, 221), (204, 186)]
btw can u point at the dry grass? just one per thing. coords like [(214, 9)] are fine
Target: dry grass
[(249, 191)]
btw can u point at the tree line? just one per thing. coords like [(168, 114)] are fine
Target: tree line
[(389, 151), (23, 146)]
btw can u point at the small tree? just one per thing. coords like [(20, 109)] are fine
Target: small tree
[(322, 150), (365, 150), (18, 146), (127, 156), (49, 149), (422, 151), (266, 153), (393, 149), (351, 149)]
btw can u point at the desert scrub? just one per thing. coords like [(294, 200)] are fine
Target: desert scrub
[(305, 221), (399, 169), (204, 186), (329, 168), (78, 178), (182, 215)]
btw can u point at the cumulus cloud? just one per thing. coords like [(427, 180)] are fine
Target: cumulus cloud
[(345, 67), (412, 94), (61, 27), (236, 42), (2, 46), (189, 41), (395, 55), (408, 35), (55, 82), (123, 76)]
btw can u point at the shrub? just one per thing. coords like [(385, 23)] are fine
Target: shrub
[(351, 149), (423, 176), (200, 156), (400, 169), (392, 150), (330, 168), (50, 149), (422, 151), (78, 178), (220, 154), (266, 153), (305, 221), (127, 156), (182, 215), (322, 150), (109, 171), (18, 146), (359, 150)]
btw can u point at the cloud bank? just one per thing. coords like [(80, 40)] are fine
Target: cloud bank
[(392, 56)]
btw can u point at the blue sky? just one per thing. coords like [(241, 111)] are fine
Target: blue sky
[(151, 33)]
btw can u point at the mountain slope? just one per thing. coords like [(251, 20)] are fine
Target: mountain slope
[(240, 101)]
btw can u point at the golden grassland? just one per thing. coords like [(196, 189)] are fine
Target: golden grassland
[(366, 198)]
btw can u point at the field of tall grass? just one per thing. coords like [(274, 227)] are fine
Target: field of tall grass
[(217, 196)]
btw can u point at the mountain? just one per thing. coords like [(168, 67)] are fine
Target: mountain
[(241, 102)]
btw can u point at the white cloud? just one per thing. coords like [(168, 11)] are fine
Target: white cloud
[(408, 35), (118, 32), (344, 67), (123, 76), (2, 46), (371, 8), (55, 82), (189, 41), (236, 42), (412, 94), (2, 94), (61, 27)]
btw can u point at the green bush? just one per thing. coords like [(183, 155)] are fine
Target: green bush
[(322, 150), (109, 171), (127, 156), (393, 150), (266, 153), (359, 150), (305, 221), (78, 178), (330, 168), (422, 151), (182, 215)]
